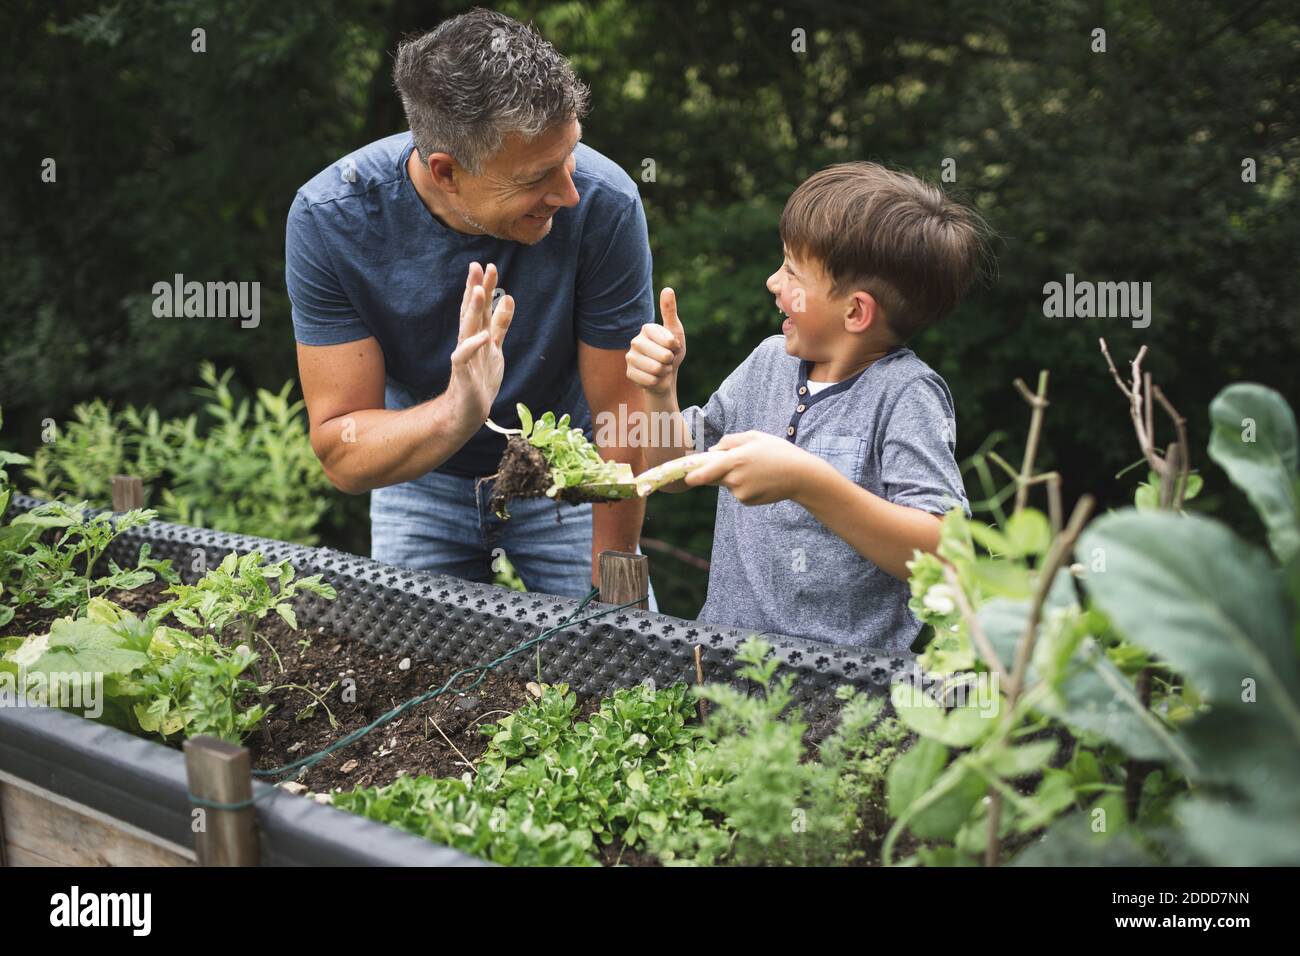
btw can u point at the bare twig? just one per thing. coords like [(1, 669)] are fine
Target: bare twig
[(1054, 501), (1004, 465), (1149, 419), (1057, 554), (465, 760), (663, 547), (1138, 392), (1185, 460), (1038, 402), (1114, 372)]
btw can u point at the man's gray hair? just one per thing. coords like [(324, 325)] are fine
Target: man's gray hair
[(478, 77)]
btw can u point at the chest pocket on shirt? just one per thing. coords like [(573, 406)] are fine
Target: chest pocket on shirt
[(845, 453)]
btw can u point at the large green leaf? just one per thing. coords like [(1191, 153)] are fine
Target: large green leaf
[(1070, 841), (958, 727), (1004, 619), (1188, 589), (1248, 751), (932, 804), (911, 774), (948, 803), (87, 647), (1095, 697), (1254, 441), (16, 537), (1228, 834)]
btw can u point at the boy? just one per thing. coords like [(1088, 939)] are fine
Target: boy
[(834, 443)]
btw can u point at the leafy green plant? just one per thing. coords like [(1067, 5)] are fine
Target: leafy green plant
[(140, 676), (251, 470), (1228, 622), (549, 789), (572, 458), (740, 789), (1168, 652), (775, 803), (97, 443), (61, 575), (239, 593), (12, 539)]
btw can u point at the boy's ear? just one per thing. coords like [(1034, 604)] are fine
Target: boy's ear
[(863, 313)]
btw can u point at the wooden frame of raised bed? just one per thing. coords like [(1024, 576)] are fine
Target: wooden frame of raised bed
[(75, 792)]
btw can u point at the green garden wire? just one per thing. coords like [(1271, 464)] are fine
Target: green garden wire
[(312, 759)]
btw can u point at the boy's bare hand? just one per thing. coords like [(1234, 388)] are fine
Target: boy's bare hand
[(657, 351), (757, 468)]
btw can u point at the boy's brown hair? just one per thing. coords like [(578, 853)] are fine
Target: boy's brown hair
[(891, 234)]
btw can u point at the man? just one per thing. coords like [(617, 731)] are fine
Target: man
[(396, 255)]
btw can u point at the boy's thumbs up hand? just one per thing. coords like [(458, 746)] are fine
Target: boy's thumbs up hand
[(657, 351)]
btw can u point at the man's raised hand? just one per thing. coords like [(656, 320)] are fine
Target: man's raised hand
[(657, 352), (478, 364)]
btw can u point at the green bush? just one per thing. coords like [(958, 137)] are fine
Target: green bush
[(251, 470)]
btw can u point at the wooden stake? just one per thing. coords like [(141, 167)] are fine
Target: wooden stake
[(128, 492), (625, 577), (222, 773), (699, 680)]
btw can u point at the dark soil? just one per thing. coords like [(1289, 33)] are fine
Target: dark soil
[(437, 738), (30, 619), (524, 473)]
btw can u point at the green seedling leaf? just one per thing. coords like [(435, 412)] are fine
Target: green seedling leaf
[(959, 727)]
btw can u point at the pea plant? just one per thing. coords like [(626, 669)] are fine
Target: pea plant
[(1068, 721)]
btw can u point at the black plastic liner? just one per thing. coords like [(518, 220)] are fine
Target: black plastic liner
[(426, 616)]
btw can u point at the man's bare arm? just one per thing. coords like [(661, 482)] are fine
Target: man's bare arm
[(360, 444)]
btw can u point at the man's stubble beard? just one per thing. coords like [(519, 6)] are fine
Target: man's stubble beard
[(474, 223)]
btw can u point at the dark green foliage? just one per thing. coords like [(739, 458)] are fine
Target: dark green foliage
[(1123, 165)]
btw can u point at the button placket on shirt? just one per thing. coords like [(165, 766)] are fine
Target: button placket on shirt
[(805, 401)]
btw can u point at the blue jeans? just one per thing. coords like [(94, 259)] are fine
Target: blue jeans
[(443, 523)]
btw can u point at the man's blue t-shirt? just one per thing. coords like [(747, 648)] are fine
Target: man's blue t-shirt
[(365, 257)]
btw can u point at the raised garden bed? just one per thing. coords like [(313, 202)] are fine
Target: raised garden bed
[(135, 790)]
